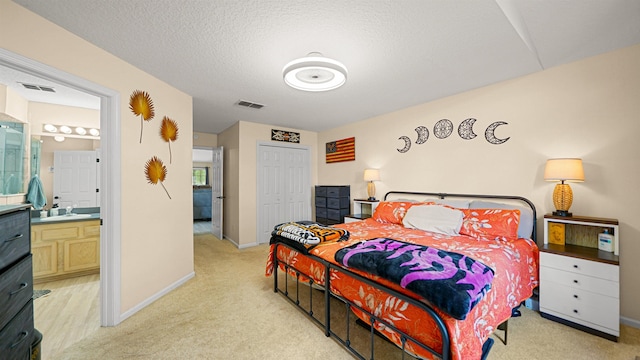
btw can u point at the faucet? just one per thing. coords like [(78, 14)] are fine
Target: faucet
[(70, 209)]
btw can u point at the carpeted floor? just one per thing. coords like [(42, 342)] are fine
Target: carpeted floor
[(229, 311)]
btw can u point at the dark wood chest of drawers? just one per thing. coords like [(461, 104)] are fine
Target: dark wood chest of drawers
[(332, 204), (16, 283)]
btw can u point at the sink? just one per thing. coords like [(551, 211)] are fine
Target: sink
[(65, 217)]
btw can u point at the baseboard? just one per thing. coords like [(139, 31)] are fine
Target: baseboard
[(630, 322), (243, 246), (156, 296)]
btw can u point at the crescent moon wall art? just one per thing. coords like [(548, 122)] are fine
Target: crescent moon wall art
[(407, 144), (443, 128), (423, 134), (465, 129), (489, 134)]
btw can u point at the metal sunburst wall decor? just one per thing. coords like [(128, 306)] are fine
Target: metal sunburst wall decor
[(444, 128)]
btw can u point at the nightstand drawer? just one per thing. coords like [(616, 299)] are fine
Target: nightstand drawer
[(578, 281), (580, 266), (580, 306)]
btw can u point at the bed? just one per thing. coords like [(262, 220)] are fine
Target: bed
[(487, 237)]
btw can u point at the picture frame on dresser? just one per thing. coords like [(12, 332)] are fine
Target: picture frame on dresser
[(579, 283)]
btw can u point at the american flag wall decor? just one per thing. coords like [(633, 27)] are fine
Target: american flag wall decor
[(341, 150)]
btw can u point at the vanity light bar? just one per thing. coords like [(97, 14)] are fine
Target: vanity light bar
[(50, 128)]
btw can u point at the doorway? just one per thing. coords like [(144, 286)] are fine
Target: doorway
[(109, 175), (284, 186)]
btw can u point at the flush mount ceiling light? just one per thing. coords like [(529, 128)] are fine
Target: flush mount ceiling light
[(315, 73)]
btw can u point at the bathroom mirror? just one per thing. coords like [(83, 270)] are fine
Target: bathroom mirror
[(13, 154)]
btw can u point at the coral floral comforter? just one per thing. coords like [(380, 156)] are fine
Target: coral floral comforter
[(515, 262)]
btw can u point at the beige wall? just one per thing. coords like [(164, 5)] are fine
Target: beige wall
[(205, 139), (155, 230), (587, 109), (41, 114), (240, 145), (230, 140)]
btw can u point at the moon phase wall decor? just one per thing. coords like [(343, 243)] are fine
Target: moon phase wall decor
[(490, 135), (444, 128)]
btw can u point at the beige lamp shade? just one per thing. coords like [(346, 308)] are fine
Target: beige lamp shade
[(566, 169), (371, 175)]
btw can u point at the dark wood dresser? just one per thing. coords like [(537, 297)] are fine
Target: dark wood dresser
[(332, 204), (16, 283)]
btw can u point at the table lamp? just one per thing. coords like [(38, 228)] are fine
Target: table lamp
[(565, 169), (371, 175)]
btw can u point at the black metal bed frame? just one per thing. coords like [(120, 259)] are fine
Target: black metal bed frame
[(373, 319)]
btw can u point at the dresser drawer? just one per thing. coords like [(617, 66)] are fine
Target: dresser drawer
[(16, 337), (580, 306), (579, 281), (321, 191), (16, 288), (321, 201), (580, 266), (337, 191), (15, 237), (336, 214), (321, 212), (338, 203)]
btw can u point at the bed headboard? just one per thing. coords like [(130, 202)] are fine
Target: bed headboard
[(458, 200)]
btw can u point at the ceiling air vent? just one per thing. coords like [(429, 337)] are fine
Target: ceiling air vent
[(249, 104), (38, 87)]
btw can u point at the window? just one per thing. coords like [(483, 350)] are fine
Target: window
[(200, 176)]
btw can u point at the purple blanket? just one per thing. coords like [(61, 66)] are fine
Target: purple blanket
[(452, 282)]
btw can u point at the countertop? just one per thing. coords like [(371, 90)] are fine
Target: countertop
[(94, 214)]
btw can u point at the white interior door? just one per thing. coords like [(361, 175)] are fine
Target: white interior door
[(284, 187), (217, 193), (75, 178)]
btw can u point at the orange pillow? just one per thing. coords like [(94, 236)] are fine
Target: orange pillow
[(391, 211), (490, 223)]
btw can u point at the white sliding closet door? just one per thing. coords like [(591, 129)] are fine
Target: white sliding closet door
[(284, 187)]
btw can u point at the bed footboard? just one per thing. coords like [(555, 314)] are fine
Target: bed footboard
[(307, 302)]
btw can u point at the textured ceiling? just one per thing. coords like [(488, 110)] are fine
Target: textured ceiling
[(398, 53)]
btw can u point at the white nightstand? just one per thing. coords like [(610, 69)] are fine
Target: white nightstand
[(365, 207), (579, 284)]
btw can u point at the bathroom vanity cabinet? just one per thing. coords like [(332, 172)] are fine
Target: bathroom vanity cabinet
[(65, 249)]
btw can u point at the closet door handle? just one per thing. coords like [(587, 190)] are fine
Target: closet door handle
[(22, 287), (15, 238)]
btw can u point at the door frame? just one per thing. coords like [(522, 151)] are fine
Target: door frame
[(110, 193), (259, 179)]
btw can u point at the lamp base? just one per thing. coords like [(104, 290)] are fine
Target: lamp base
[(371, 198), (562, 213)]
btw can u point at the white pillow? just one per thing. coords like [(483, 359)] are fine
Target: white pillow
[(460, 204), (434, 218)]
